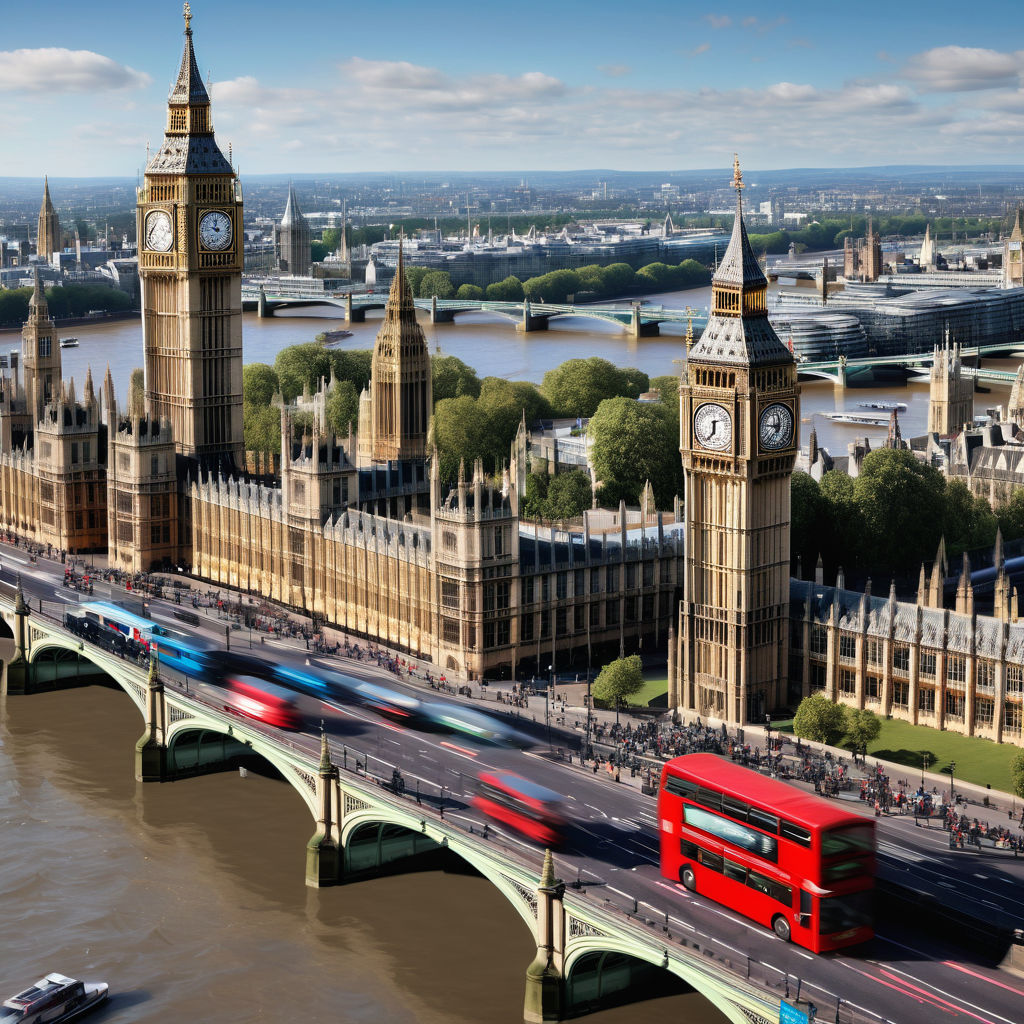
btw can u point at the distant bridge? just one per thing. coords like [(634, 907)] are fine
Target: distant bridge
[(637, 320), (918, 364)]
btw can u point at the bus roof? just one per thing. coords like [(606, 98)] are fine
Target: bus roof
[(791, 803), (116, 614)]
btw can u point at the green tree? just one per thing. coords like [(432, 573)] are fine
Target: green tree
[(862, 726), (569, 494), (331, 239), (632, 442), (618, 680), (470, 291), (505, 403), (818, 719), (534, 503), (14, 306), (693, 274), (461, 432), (508, 290), (1010, 516), (1017, 773), (352, 364), (969, 521), (578, 386), (137, 387), (619, 279), (261, 428), (343, 407), (841, 538), (301, 366), (318, 252), (902, 504), (452, 378), (259, 384), (635, 382), (436, 282), (414, 278), (805, 518), (555, 286)]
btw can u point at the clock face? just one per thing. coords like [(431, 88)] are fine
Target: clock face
[(215, 230), (159, 234), (775, 428), (712, 426)]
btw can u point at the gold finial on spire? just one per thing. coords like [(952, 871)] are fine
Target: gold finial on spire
[(187, 14), (737, 174)]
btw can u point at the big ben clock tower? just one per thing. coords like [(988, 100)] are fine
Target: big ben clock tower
[(739, 406), (190, 264)]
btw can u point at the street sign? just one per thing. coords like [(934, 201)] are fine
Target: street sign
[(789, 1013)]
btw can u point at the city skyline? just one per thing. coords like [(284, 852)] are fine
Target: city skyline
[(404, 90)]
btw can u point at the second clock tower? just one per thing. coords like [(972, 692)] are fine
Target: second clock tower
[(739, 412), (190, 265)]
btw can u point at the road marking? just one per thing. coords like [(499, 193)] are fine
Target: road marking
[(598, 809), (975, 974), (470, 755), (897, 988), (892, 972)]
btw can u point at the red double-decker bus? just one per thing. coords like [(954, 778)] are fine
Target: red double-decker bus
[(791, 861)]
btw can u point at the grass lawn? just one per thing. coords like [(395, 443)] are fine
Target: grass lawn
[(979, 761), (654, 686)]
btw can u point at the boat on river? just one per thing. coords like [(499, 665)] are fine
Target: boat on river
[(54, 999), (332, 338), (859, 419), (884, 406), (69, 343)]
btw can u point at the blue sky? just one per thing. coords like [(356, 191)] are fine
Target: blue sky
[(393, 86)]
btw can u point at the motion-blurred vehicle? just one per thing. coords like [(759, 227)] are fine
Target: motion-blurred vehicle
[(261, 701), (526, 807)]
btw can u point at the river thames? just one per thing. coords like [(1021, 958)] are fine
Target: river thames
[(493, 347)]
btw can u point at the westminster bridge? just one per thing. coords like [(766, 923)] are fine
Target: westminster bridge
[(637, 319), (608, 931)]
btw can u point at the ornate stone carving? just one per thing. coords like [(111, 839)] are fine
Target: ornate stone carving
[(754, 1018), (177, 715), (307, 778), (528, 895), (353, 804), (580, 929)]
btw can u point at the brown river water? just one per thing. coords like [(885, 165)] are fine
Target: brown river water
[(188, 898)]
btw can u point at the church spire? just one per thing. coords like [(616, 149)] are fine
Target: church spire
[(189, 87), (48, 228)]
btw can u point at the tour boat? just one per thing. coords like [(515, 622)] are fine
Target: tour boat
[(884, 406), (69, 343), (860, 419), (53, 1000), (333, 337)]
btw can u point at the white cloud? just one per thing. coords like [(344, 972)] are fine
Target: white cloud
[(962, 69), (615, 70), (718, 20), (698, 50), (57, 70)]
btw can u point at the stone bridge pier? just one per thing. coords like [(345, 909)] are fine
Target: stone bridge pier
[(531, 321), (353, 315), (440, 316), (639, 329)]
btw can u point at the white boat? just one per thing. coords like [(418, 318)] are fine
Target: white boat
[(884, 406), (69, 343), (860, 419), (53, 1000)]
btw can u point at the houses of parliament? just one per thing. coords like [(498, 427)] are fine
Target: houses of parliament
[(362, 534)]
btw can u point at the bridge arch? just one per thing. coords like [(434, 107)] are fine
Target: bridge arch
[(61, 661), (601, 971)]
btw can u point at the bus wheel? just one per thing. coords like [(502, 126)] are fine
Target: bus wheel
[(781, 926), (687, 877)]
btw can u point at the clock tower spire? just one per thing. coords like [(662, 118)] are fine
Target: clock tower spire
[(190, 265), (739, 411)]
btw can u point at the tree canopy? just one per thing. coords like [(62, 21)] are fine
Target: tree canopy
[(862, 727), (563, 496), (618, 680), (259, 384), (578, 386), (819, 719), (452, 378), (633, 442)]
